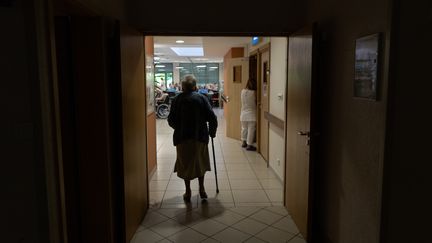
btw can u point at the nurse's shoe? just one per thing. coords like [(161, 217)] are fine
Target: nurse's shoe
[(250, 148), (244, 144)]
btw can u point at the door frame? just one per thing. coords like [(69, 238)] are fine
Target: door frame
[(50, 112), (258, 52)]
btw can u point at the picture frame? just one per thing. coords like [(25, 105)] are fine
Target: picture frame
[(367, 66)]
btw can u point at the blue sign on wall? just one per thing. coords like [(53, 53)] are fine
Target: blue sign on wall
[(255, 40)]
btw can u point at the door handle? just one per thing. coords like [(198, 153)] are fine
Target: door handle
[(308, 134), (302, 133)]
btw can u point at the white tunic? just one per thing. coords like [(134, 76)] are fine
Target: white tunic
[(248, 108)]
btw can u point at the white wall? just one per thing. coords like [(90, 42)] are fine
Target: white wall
[(278, 69)]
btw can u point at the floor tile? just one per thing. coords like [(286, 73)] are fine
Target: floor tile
[(209, 227), (250, 226), (254, 240), (250, 196), (190, 205), (158, 185), (187, 236), (231, 235), (279, 210), (266, 217), (239, 184), (271, 184), (189, 218), (172, 212), (236, 175), (246, 211), (153, 218), (168, 228), (164, 241), (174, 197), (210, 240), (286, 224), (146, 236), (221, 197), (297, 240), (275, 195), (228, 218), (274, 235), (257, 204), (266, 174)]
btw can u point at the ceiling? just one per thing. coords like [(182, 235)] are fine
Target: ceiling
[(214, 48)]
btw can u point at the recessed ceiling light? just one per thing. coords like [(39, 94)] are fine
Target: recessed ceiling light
[(213, 67), (188, 51), (201, 66), (180, 41), (179, 67), (160, 66)]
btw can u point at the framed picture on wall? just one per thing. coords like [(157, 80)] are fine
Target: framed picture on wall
[(367, 55)]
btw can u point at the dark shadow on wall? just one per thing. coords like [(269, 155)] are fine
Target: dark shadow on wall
[(225, 16)]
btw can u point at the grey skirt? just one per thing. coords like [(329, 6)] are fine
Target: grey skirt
[(192, 159)]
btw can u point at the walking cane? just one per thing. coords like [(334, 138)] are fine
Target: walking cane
[(214, 161)]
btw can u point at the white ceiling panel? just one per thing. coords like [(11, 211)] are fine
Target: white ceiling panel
[(214, 48)]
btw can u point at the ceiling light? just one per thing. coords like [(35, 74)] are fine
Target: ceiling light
[(180, 41), (156, 58), (201, 66), (160, 66), (188, 51), (179, 67), (213, 67)]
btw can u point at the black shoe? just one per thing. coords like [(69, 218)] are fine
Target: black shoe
[(187, 197), (250, 148), (203, 195), (244, 144)]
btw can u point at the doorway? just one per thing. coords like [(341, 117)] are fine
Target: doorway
[(246, 164)]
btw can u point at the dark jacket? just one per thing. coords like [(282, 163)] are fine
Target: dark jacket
[(189, 115)]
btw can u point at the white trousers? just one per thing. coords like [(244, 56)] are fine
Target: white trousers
[(248, 131)]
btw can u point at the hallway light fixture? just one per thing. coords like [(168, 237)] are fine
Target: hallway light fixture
[(180, 41), (201, 66), (188, 51), (160, 66)]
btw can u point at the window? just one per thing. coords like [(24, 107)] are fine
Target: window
[(204, 72)]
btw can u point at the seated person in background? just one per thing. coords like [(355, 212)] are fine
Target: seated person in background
[(202, 90), (171, 88), (176, 87)]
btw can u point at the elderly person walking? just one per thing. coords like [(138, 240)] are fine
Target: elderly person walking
[(190, 112)]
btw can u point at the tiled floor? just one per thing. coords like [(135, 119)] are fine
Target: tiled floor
[(248, 207)]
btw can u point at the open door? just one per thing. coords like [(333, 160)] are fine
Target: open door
[(236, 70), (299, 128), (133, 129), (263, 101)]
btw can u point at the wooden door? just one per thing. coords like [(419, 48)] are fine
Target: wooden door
[(298, 150), (236, 76), (263, 102), (134, 129)]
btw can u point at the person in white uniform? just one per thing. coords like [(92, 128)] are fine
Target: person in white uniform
[(248, 114)]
